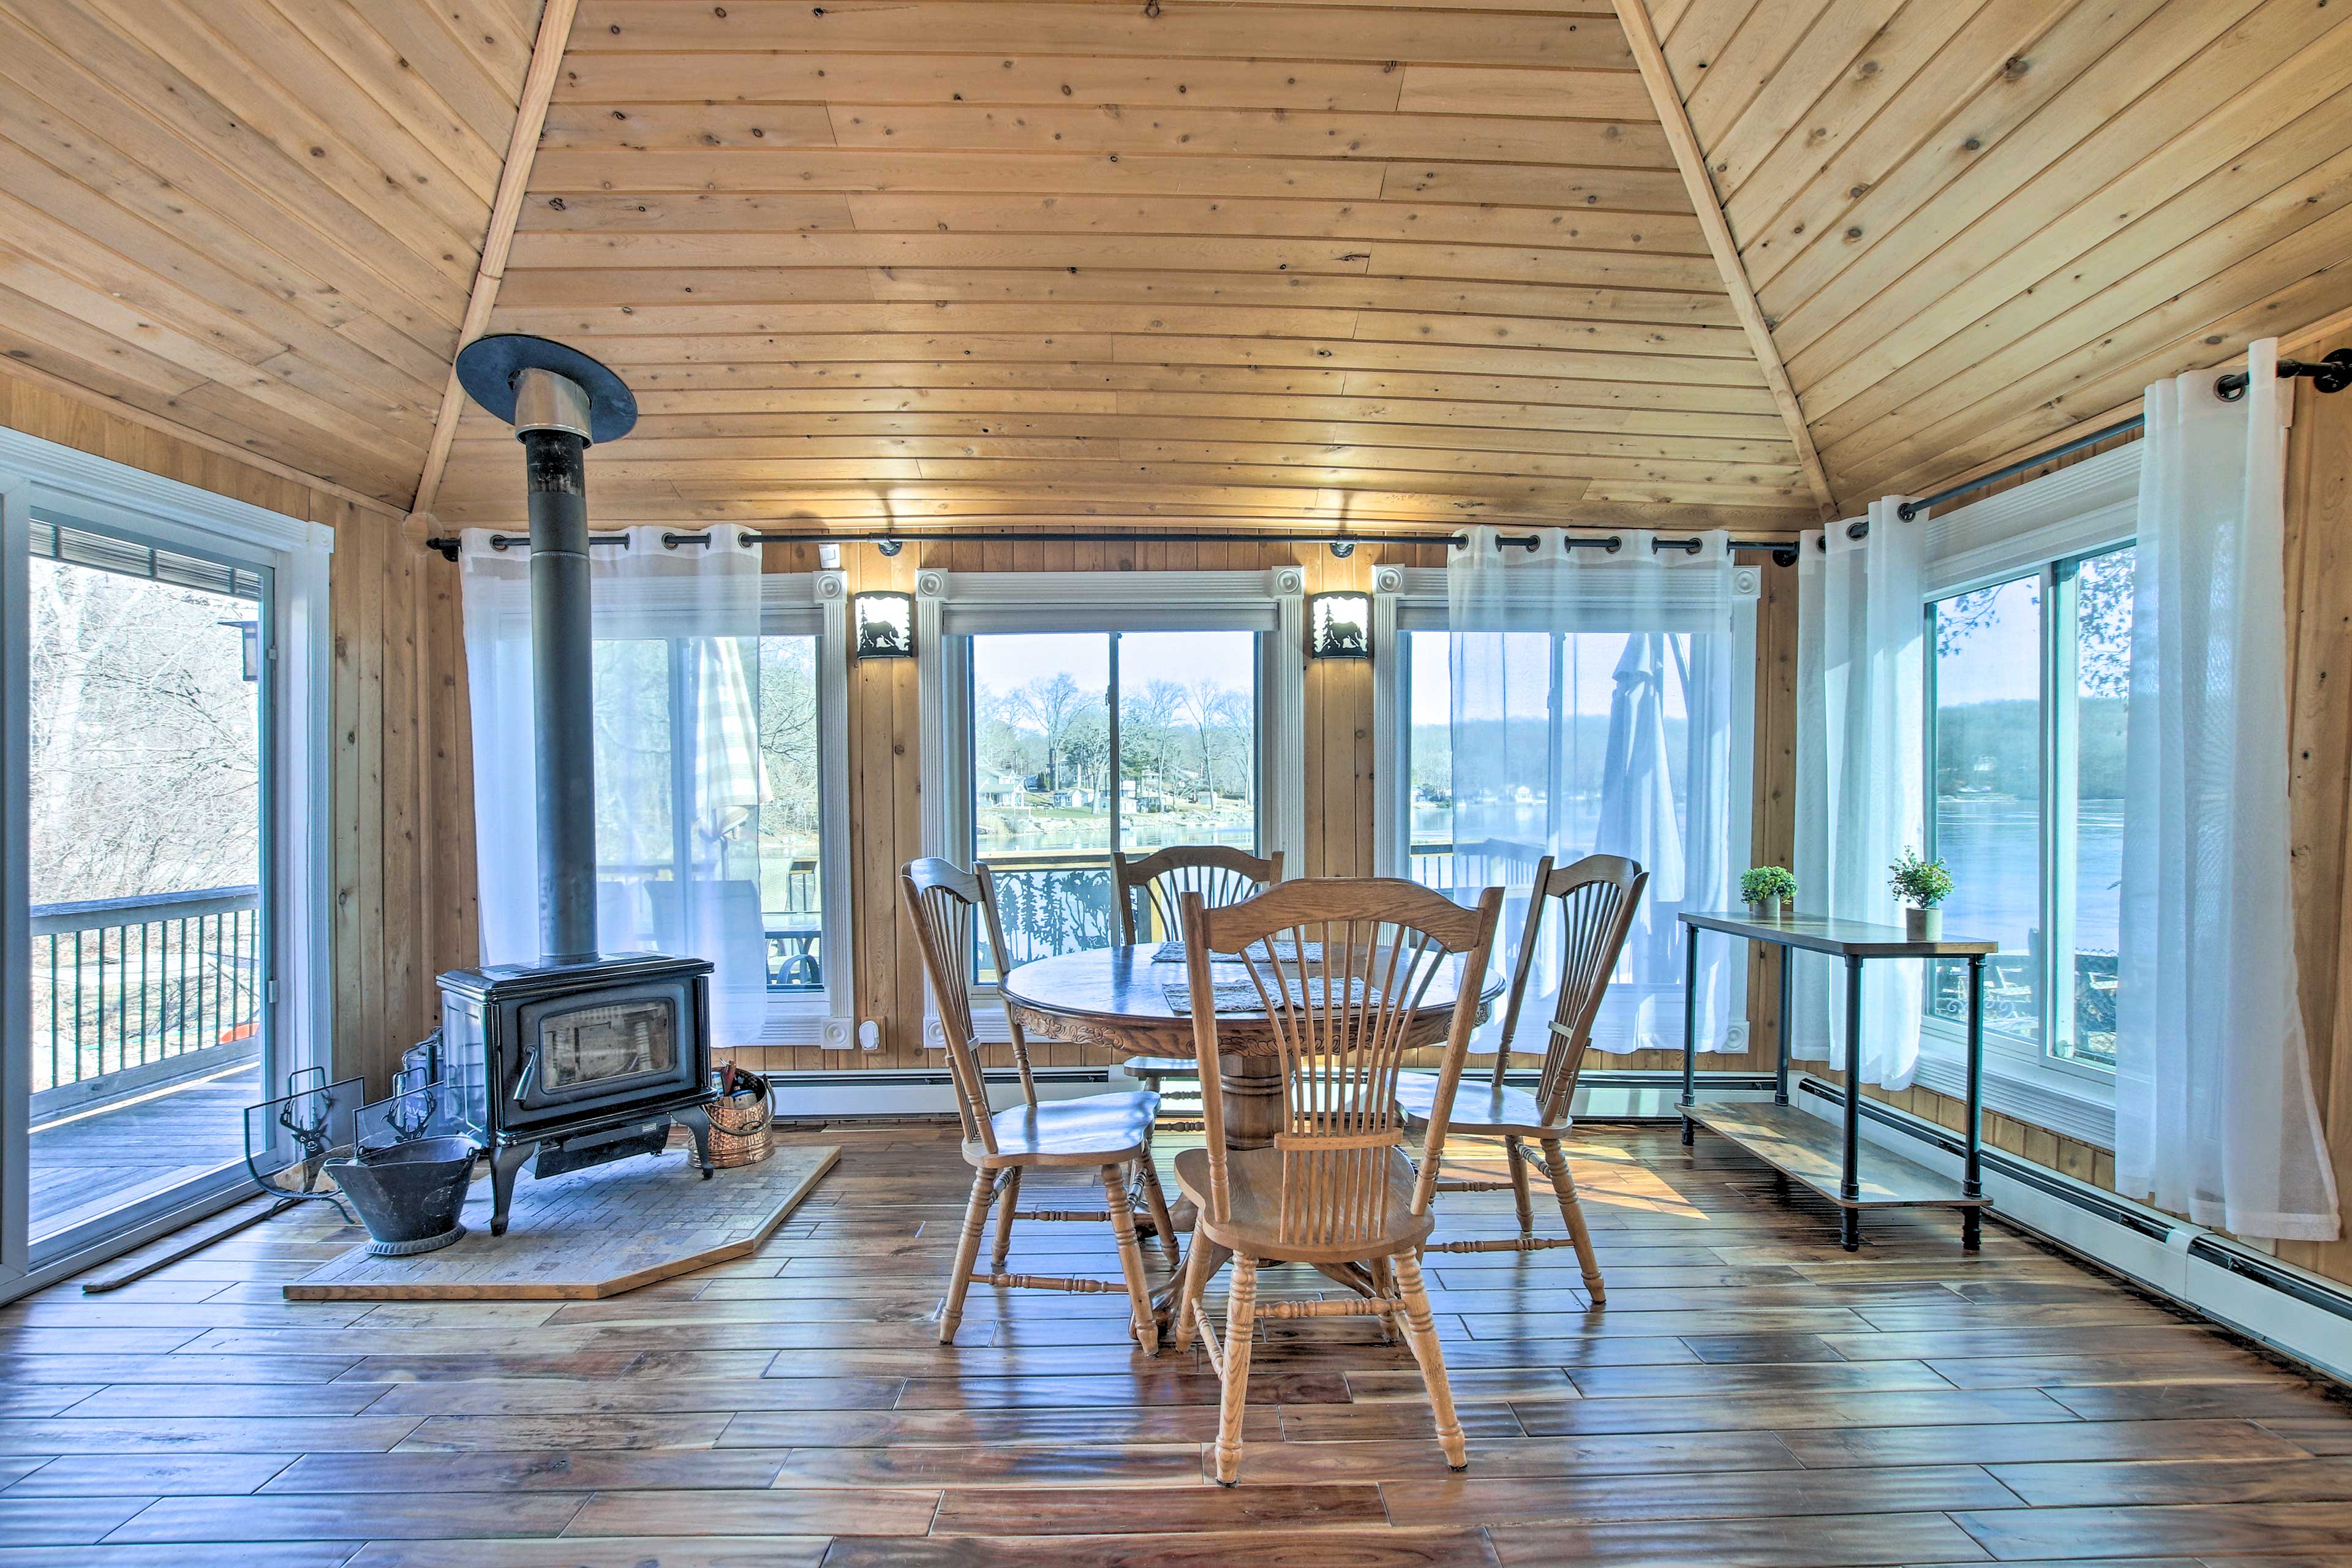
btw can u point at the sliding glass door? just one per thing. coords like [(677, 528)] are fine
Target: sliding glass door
[(1084, 742), (147, 809)]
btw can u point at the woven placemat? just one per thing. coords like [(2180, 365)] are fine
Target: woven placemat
[(1286, 951), (1243, 996)]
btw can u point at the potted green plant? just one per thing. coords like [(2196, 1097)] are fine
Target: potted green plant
[(1763, 889), (1923, 886)]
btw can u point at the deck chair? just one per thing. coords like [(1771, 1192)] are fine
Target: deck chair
[(1107, 1131), (1596, 898), (1342, 986)]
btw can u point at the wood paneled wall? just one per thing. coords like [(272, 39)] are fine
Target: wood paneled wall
[(2319, 643), (404, 849)]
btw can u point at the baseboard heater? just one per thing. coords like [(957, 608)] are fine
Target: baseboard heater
[(2288, 1310)]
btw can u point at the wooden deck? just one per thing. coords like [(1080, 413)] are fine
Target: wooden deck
[(1750, 1396), (94, 1161)]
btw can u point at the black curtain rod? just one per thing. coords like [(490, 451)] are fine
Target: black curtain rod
[(2332, 373), (1341, 544)]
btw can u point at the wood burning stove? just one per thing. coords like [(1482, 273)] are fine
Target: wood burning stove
[(583, 1057), (577, 1063)]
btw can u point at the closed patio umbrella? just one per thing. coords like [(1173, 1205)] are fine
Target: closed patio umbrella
[(1637, 802)]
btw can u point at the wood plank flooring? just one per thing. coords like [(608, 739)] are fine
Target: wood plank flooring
[(1750, 1396)]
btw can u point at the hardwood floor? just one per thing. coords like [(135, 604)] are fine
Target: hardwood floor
[(1750, 1396)]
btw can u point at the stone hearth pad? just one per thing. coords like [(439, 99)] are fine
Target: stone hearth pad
[(589, 1234)]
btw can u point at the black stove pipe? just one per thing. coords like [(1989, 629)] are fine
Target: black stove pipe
[(562, 675)]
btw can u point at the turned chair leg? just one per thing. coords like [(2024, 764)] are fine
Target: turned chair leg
[(1421, 1336), (1188, 1298), (1004, 1248), (975, 1220), (1571, 1211), (1241, 1326), (1157, 1200), (1130, 1259), (1519, 1193), (1384, 1281)]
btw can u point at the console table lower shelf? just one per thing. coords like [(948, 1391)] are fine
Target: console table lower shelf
[(1809, 1150), (1835, 1163)]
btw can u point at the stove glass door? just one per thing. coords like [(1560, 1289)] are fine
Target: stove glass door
[(582, 1047)]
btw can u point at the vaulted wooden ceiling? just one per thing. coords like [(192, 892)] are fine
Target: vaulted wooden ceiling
[(1974, 223), (259, 218), (1294, 260), (872, 261)]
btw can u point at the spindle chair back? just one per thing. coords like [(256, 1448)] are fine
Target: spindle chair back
[(949, 908), (1594, 900), (1220, 873), (1341, 969)]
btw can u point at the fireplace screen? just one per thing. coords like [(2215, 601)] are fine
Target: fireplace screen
[(582, 1045)]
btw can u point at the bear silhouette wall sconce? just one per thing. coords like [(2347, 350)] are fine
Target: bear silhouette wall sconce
[(1339, 625), (882, 626)]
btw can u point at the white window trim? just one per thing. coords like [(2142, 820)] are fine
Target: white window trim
[(2082, 509), (1272, 601), (817, 604), (38, 473)]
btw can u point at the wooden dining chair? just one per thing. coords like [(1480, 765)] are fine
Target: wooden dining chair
[(1218, 872), (951, 907), (1597, 898), (1341, 984)]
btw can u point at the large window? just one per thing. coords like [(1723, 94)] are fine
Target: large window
[(1083, 743), (1988, 795), (715, 814), (2026, 744), (1596, 727), (1565, 708)]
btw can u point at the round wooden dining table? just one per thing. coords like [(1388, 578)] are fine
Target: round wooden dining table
[(1117, 997)]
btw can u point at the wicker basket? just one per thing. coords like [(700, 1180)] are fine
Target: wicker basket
[(740, 1124)]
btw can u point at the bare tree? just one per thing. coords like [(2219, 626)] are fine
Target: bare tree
[(145, 738), (1051, 703)]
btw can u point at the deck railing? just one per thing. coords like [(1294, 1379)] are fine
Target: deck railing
[(121, 984), (1051, 902)]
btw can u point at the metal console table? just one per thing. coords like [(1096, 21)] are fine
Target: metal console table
[(1833, 1162)]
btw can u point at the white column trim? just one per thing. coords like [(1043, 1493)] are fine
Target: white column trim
[(1285, 767), (1389, 790)]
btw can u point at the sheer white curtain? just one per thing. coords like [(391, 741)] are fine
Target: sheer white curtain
[(1860, 795), (679, 778), (2214, 1111), (1592, 713)]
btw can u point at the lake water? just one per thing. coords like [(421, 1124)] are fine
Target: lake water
[(1994, 852)]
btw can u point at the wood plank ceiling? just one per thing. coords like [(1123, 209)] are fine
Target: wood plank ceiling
[(962, 258), (259, 219), (1297, 261), (1975, 223)]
